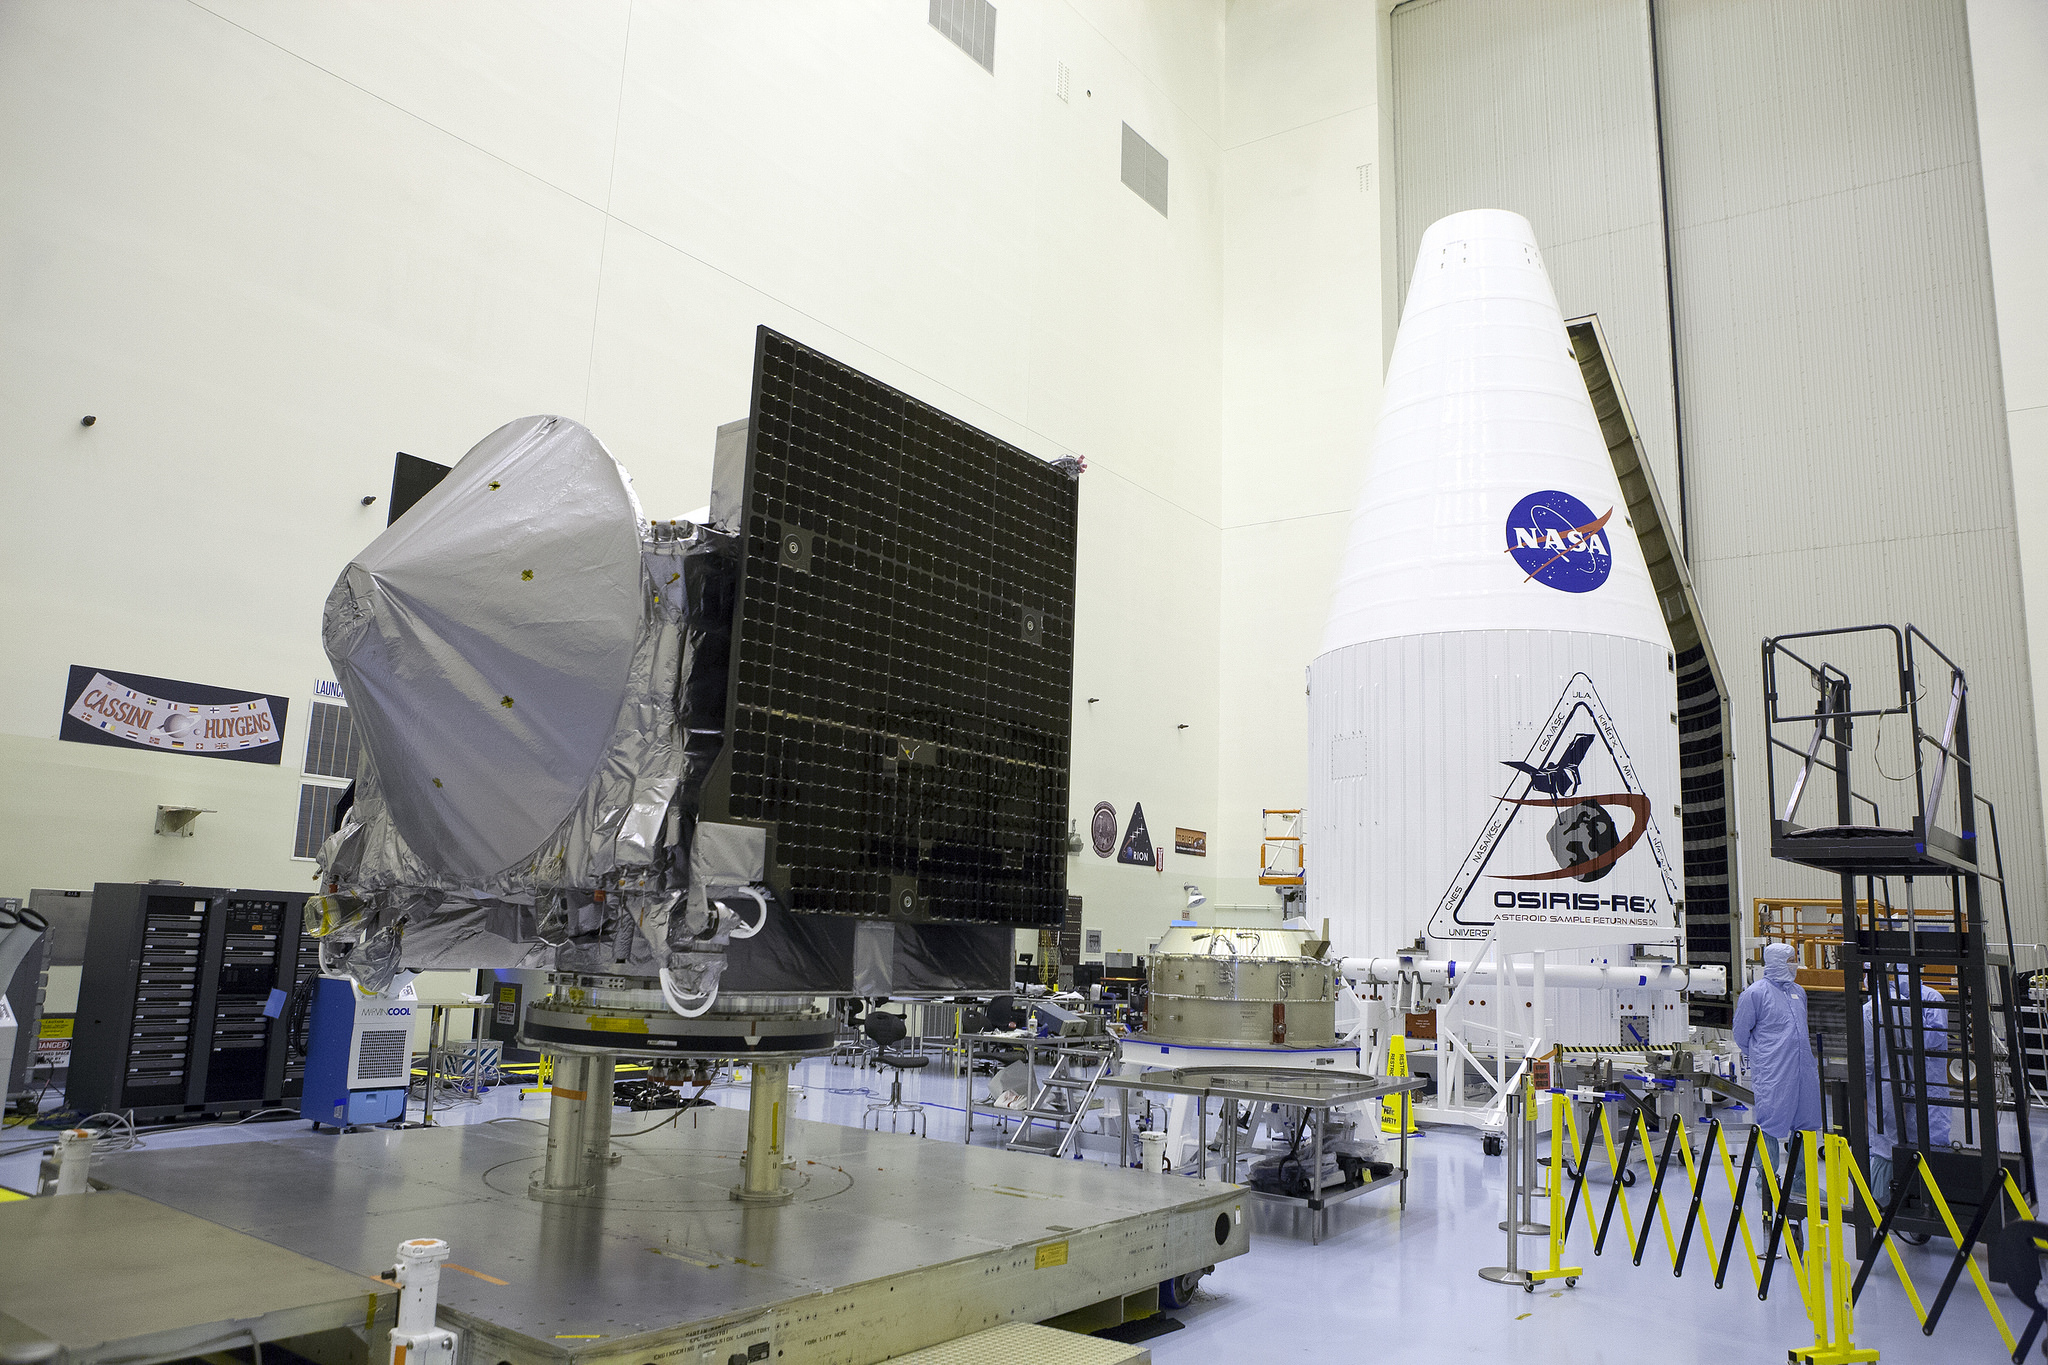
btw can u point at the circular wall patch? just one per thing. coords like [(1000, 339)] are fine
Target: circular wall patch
[(1102, 829)]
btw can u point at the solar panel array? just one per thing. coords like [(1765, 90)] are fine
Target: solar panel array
[(900, 703)]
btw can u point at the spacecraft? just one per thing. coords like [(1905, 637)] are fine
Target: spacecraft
[(711, 772)]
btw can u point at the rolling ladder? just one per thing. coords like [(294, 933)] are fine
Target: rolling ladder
[(1052, 1124)]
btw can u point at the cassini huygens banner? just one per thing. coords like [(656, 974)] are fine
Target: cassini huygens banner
[(131, 710)]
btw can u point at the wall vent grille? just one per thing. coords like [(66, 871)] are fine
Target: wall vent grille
[(331, 742), (970, 25), (316, 818), (1145, 169)]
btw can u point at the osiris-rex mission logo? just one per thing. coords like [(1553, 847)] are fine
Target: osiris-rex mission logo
[(1578, 774), (1558, 541)]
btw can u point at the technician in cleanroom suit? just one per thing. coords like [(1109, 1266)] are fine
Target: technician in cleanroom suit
[(1770, 1028), (1882, 1100)]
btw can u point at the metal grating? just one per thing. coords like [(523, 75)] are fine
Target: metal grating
[(969, 25), (331, 749), (901, 689), (316, 818), (1145, 169), (383, 1054)]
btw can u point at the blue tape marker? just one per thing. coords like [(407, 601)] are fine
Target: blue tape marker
[(274, 1006)]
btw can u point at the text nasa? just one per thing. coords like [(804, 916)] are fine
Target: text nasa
[(1563, 542), (142, 718)]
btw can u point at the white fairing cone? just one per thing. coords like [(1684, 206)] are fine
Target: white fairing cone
[(1492, 732)]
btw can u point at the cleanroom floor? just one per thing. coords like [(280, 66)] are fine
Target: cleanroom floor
[(1389, 1282)]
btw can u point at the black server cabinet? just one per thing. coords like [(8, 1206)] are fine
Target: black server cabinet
[(298, 1007), (176, 1012)]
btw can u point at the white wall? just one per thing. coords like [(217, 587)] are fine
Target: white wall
[(1846, 457), (268, 246), (2009, 59), (1302, 364)]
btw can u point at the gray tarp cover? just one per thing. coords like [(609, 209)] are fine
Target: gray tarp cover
[(486, 641)]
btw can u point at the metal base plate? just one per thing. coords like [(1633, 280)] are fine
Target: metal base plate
[(890, 1243)]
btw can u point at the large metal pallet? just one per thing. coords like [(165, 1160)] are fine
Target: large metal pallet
[(891, 1244)]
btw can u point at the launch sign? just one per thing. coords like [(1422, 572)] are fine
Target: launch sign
[(131, 710)]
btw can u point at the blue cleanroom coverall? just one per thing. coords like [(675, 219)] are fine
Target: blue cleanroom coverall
[(1882, 1099), (1770, 1028)]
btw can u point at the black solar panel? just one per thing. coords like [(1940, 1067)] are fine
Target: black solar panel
[(900, 699)]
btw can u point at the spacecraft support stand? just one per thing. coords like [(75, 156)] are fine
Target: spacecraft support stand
[(767, 1108), (579, 1128)]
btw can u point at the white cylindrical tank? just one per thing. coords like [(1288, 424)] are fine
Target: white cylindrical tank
[(1492, 719)]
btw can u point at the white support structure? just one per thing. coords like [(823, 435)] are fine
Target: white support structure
[(1656, 976), (1409, 983), (416, 1340), (74, 1161)]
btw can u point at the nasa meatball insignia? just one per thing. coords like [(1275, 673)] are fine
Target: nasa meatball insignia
[(1558, 541)]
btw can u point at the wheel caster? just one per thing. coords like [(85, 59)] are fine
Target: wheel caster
[(1179, 1291), (1571, 1170), (1493, 1144), (1628, 1178), (1571, 1282), (1529, 1288)]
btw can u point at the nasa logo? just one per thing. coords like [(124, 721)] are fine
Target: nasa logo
[(1558, 541)]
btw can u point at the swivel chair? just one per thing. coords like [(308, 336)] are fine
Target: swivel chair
[(887, 1030)]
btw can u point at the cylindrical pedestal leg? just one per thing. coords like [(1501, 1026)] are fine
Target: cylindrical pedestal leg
[(579, 1128), (1525, 1207), (1511, 1132), (767, 1107)]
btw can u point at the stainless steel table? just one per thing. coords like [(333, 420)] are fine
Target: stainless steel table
[(437, 1041), (1320, 1090), (111, 1276), (1033, 1049)]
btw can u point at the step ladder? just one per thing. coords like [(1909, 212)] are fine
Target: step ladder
[(1053, 1122)]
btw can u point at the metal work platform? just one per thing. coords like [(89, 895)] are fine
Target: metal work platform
[(1926, 964), (891, 1243)]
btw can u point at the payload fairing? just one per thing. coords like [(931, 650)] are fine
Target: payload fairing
[(1493, 718)]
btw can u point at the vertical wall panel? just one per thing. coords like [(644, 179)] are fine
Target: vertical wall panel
[(1846, 453), (1546, 107)]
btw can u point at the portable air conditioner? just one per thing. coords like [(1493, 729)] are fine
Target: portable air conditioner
[(358, 1054)]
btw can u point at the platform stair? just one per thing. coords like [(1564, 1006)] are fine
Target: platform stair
[(1052, 1125)]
